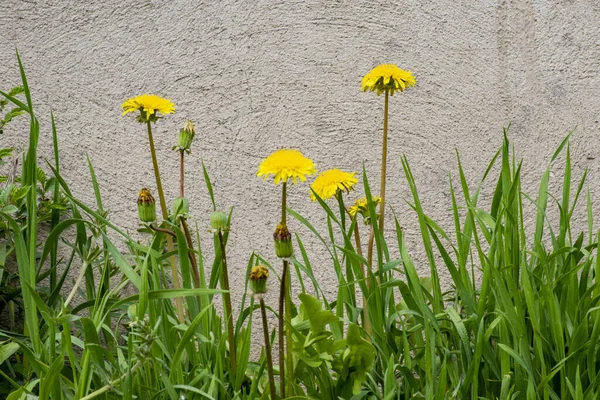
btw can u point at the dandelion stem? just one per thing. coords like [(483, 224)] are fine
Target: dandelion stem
[(227, 304), (288, 328), (190, 244), (280, 318), (165, 213), (283, 299), (157, 229), (284, 203), (263, 312), (383, 161), (366, 320), (181, 174), (184, 224)]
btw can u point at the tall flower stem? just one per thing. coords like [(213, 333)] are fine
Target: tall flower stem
[(366, 320), (181, 173), (284, 306), (263, 312), (383, 161), (184, 224), (284, 204), (280, 336), (165, 214), (227, 305)]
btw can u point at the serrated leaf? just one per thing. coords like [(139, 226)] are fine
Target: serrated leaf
[(41, 175)]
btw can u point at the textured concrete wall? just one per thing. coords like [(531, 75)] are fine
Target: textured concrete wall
[(261, 75)]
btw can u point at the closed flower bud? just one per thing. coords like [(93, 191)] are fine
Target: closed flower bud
[(283, 241), (186, 136), (258, 279), (181, 205), (219, 221), (132, 312), (146, 206)]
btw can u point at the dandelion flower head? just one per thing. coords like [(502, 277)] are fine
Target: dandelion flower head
[(148, 105), (361, 206), (285, 164), (387, 77), (329, 182), (145, 196), (259, 272)]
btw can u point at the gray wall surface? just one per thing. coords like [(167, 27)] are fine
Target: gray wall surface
[(261, 75)]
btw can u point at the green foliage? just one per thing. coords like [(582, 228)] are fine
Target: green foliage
[(528, 329), (12, 113)]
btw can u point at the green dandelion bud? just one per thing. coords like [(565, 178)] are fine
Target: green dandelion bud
[(258, 279), (132, 312), (283, 241), (219, 221), (146, 206), (181, 205), (186, 136)]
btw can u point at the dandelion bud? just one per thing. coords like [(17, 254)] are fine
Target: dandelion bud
[(186, 136), (146, 206), (181, 205), (219, 220), (132, 312), (283, 241), (258, 279)]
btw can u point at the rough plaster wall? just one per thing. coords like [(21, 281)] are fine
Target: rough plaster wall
[(261, 75)]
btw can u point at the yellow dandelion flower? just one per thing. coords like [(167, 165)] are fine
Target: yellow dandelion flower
[(361, 206), (329, 182), (148, 105), (259, 272), (285, 164), (387, 77)]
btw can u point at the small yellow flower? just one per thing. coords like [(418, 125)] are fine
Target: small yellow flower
[(387, 77), (329, 182), (285, 164), (148, 105), (361, 206), (259, 272)]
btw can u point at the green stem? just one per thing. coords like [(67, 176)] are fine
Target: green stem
[(383, 161), (288, 329), (284, 203), (227, 305), (165, 214), (184, 224), (366, 319), (263, 312), (181, 174), (191, 254), (159, 188), (283, 297), (280, 336)]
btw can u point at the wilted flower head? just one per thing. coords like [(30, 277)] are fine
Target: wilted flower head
[(387, 77), (186, 136), (285, 164), (258, 279), (146, 206), (361, 206), (283, 241), (329, 182), (148, 105)]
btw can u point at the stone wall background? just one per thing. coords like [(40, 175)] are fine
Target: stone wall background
[(261, 75)]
